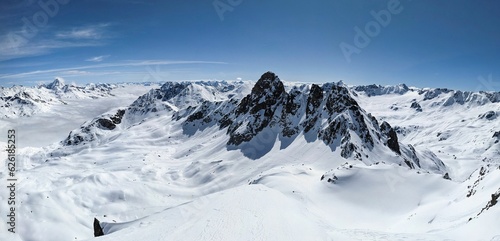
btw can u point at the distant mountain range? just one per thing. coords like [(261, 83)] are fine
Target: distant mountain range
[(424, 162)]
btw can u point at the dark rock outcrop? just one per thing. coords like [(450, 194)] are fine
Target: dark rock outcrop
[(117, 118), (392, 137), (255, 111), (97, 228), (90, 130), (490, 115), (491, 203), (111, 123), (415, 105), (106, 124), (447, 176), (314, 100)]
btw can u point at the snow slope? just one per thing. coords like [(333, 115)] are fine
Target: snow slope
[(48, 118), (162, 170), (459, 127)]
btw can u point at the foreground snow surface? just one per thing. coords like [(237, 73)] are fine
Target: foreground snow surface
[(152, 182)]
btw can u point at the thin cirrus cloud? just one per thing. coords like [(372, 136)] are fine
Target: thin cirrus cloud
[(136, 63), (98, 31), (97, 58), (76, 72), (9, 50), (15, 44)]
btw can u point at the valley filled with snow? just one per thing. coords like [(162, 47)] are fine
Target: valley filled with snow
[(243, 160)]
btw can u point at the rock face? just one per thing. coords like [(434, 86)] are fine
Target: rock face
[(392, 137), (257, 110), (91, 131), (330, 114), (97, 228), (491, 203), (111, 123), (415, 105), (490, 115)]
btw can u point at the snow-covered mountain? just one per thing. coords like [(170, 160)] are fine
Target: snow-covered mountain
[(18, 101), (459, 126), (441, 96), (267, 115), (62, 90), (270, 161)]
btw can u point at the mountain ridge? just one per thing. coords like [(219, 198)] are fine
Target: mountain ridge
[(269, 114), (356, 165)]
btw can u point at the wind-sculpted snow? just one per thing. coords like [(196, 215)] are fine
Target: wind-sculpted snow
[(268, 160)]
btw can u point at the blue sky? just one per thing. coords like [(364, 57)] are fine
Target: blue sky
[(425, 43)]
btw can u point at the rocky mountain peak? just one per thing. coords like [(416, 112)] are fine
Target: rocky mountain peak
[(328, 113), (268, 83), (266, 93), (58, 83)]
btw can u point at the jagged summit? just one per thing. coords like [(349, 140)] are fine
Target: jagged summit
[(268, 82), (57, 84), (268, 91)]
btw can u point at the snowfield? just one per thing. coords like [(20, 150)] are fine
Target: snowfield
[(239, 161)]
